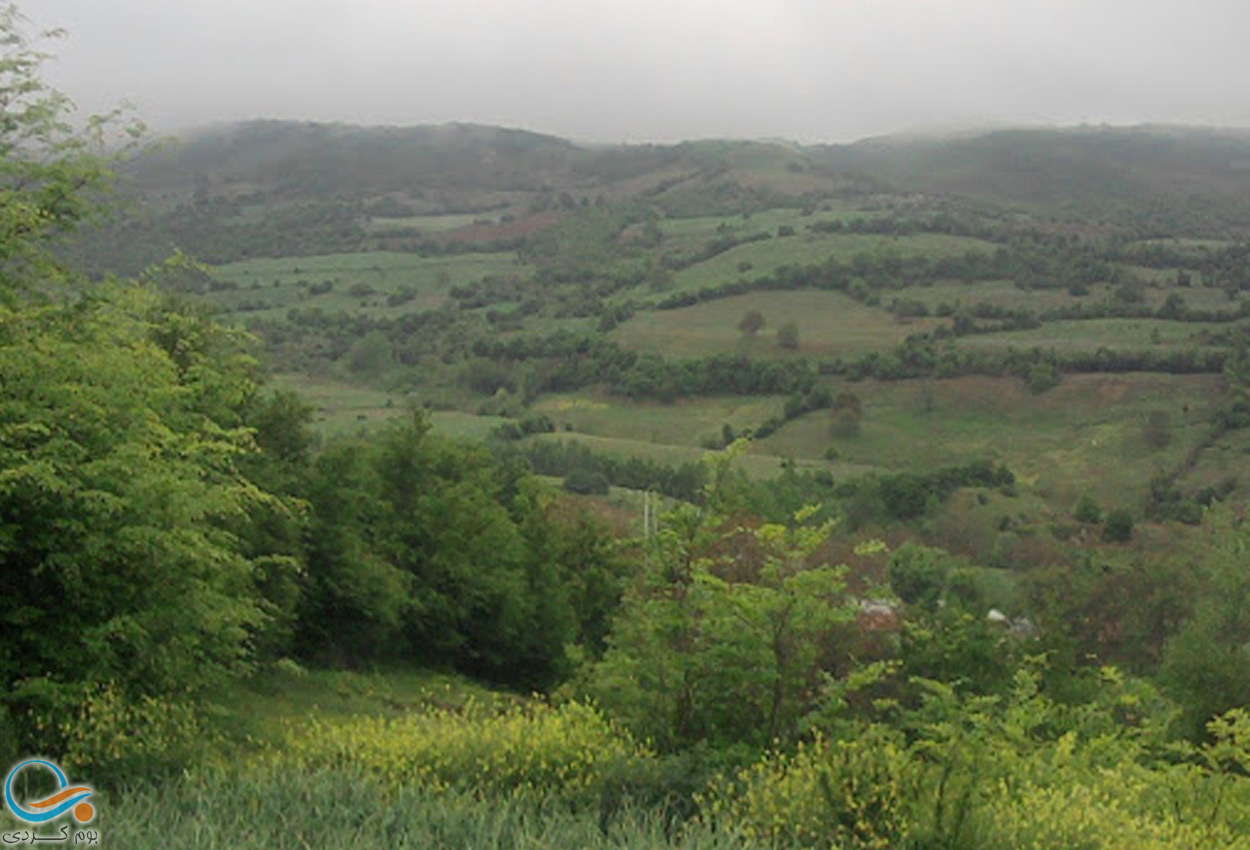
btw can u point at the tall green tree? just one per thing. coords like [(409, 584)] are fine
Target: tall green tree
[(1206, 664), (726, 635), (51, 174), (121, 433)]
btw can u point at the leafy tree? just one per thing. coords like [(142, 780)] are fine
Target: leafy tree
[(788, 336), (1206, 666), (115, 487), (353, 601), (751, 323), (725, 637), (371, 355), (122, 439), (848, 412), (50, 174), (918, 574)]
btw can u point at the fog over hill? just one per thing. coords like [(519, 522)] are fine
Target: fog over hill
[(660, 71)]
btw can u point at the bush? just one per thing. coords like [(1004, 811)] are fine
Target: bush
[(849, 794), (918, 574), (788, 336), (586, 482), (118, 739), (565, 750), (1043, 377), (1087, 510), (1119, 526)]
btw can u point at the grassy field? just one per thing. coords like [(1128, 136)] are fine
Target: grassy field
[(342, 408), (1092, 334), (689, 422), (767, 221), (256, 712), (758, 463), (431, 223), (1227, 461), (276, 285), (829, 323), (765, 257), (1003, 293), (999, 293), (1086, 435)]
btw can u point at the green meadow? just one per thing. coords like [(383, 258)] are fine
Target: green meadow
[(1093, 334), (1086, 435), (829, 323), (353, 283), (756, 259)]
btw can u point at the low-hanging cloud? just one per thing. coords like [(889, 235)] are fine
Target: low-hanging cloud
[(602, 70)]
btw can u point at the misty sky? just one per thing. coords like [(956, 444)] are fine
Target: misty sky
[(640, 70)]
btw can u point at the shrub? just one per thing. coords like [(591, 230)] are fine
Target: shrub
[(788, 336), (1087, 510), (1119, 526), (1043, 377), (586, 482), (524, 749), (848, 794), (114, 738)]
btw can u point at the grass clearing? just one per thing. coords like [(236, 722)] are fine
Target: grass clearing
[(1092, 334), (1225, 462), (757, 259), (998, 293), (766, 221), (430, 223), (257, 711), (1087, 434), (688, 422), (359, 283), (757, 463), (829, 323), (339, 407), (342, 408)]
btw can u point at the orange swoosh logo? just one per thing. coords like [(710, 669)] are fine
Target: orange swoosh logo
[(64, 795)]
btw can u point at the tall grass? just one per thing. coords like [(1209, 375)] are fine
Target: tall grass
[(328, 810)]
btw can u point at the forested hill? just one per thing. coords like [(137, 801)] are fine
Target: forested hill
[(1066, 168), (281, 188), (1151, 178)]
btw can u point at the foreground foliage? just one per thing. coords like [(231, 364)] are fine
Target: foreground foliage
[(338, 810), (522, 751)]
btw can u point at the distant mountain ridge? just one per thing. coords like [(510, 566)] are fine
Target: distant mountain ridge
[(277, 188), (1035, 167)]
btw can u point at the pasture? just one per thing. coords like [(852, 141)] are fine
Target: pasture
[(829, 323), (343, 408), (687, 422), (762, 258), (1093, 334), (1087, 435), (757, 463), (378, 283), (997, 293), (765, 221)]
